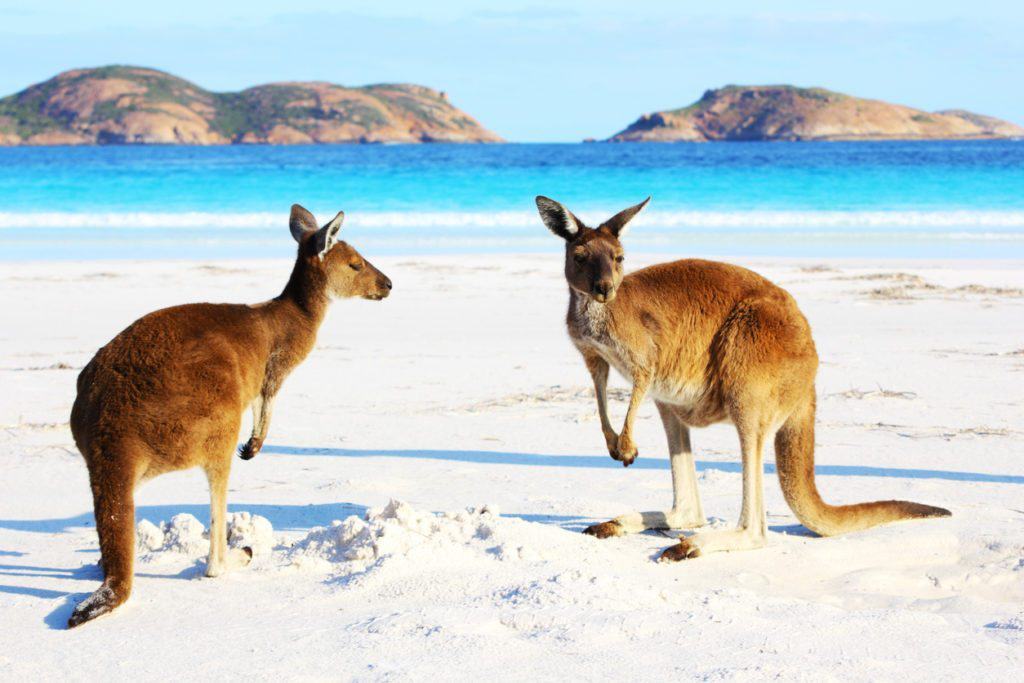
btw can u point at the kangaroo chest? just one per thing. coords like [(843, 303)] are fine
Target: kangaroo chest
[(591, 330)]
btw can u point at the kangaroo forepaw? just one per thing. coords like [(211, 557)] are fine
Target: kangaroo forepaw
[(684, 550), (625, 451), (250, 448), (611, 439), (605, 529)]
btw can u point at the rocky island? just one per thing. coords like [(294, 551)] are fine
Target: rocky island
[(135, 105), (785, 112)]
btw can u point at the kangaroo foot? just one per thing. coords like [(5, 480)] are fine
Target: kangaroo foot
[(684, 550), (605, 529), (236, 559), (103, 600)]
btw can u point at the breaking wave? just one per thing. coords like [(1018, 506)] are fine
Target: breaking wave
[(958, 220)]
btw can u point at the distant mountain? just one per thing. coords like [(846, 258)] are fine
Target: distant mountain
[(135, 105), (784, 112)]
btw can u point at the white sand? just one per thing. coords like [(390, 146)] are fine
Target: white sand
[(462, 390)]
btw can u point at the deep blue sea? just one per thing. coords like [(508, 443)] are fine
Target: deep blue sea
[(899, 199)]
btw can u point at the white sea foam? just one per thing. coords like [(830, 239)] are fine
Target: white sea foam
[(953, 219)]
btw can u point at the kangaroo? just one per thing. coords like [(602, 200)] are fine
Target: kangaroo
[(169, 391), (710, 342)]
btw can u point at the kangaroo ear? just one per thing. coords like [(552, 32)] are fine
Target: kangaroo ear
[(328, 235), (557, 218), (301, 222), (618, 223)]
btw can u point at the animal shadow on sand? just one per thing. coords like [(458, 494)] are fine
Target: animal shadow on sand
[(301, 517), (284, 517), (603, 461)]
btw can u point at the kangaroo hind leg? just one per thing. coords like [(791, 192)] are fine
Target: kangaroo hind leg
[(686, 511), (221, 558), (113, 484), (751, 532)]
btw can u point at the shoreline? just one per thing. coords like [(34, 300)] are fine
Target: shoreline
[(636, 259)]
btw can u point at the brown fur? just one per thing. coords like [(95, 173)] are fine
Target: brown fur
[(711, 342), (169, 391)]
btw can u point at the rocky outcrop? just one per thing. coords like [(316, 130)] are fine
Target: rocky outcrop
[(134, 105), (783, 112)]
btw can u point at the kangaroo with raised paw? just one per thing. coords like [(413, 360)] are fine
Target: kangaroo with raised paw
[(710, 342), (168, 393)]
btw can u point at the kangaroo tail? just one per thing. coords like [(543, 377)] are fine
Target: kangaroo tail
[(794, 459)]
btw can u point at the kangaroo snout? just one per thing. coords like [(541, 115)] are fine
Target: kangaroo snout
[(602, 290), (383, 288)]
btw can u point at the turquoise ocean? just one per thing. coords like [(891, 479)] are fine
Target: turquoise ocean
[(868, 199)]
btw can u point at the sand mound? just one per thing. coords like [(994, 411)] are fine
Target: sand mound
[(246, 530), (402, 535), (149, 537), (398, 529), (186, 535)]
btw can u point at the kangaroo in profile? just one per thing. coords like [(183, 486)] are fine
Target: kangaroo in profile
[(168, 393), (711, 342)]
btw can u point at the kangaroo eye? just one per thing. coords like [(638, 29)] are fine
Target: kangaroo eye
[(620, 259), (356, 266)]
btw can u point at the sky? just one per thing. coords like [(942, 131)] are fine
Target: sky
[(545, 70)]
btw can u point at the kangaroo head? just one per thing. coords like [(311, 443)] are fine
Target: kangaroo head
[(593, 256), (343, 269)]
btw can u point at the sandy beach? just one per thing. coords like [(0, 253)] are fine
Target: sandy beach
[(463, 391)]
